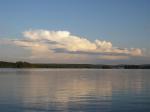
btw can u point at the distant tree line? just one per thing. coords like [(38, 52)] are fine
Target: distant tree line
[(21, 64)]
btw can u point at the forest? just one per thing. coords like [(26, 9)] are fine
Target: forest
[(21, 64)]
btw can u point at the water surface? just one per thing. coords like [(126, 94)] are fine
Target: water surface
[(74, 90)]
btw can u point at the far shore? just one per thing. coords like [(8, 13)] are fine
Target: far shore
[(21, 64)]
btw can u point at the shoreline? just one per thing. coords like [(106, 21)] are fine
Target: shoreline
[(27, 65)]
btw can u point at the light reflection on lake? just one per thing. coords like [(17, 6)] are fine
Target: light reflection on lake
[(74, 90)]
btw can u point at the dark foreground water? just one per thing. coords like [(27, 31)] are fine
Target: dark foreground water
[(78, 90)]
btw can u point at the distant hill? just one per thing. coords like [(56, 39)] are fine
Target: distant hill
[(21, 64)]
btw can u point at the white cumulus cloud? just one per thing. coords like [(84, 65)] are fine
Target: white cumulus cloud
[(65, 42)]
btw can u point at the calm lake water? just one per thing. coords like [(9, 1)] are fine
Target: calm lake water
[(74, 90)]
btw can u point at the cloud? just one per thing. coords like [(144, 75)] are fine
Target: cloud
[(5, 41), (48, 42)]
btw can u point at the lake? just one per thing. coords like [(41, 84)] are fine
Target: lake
[(74, 90)]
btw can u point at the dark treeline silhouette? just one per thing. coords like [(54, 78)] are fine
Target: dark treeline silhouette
[(21, 64)]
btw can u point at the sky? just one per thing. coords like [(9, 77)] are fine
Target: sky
[(75, 31)]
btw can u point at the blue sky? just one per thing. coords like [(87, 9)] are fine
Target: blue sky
[(125, 23)]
